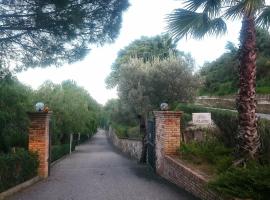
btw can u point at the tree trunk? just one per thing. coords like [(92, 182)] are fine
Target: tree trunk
[(144, 138), (248, 138)]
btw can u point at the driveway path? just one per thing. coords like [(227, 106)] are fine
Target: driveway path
[(97, 171)]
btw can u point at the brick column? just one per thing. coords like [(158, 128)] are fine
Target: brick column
[(39, 139), (167, 136)]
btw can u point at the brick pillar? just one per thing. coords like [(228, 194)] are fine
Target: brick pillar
[(39, 139), (167, 136)]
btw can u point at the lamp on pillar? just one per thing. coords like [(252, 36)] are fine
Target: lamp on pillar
[(39, 137)]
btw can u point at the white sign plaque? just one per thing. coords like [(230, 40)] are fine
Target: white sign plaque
[(201, 118)]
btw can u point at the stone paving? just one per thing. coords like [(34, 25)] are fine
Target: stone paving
[(97, 171)]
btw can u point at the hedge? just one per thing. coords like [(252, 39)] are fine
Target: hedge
[(227, 121), (17, 167), (59, 151)]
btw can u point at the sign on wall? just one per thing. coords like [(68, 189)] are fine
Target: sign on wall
[(201, 118)]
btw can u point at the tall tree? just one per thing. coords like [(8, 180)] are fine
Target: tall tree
[(206, 17), (42, 33), (142, 86), (75, 111), (147, 49)]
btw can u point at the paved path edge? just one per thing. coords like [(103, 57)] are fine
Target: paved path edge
[(19, 187)]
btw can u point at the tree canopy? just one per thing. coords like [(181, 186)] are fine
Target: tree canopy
[(74, 110), (147, 49), (42, 33)]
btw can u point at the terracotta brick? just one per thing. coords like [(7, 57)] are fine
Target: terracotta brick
[(39, 139)]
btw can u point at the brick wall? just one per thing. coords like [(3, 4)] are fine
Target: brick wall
[(184, 177), (129, 146), (167, 136), (39, 139), (168, 140)]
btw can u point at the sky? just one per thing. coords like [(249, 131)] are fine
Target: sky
[(143, 18)]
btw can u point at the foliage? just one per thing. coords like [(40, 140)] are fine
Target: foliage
[(15, 101), (124, 131), (75, 111), (264, 130), (116, 112), (42, 33), (220, 76), (17, 167), (207, 17), (252, 182), (228, 123), (201, 18), (143, 86), (211, 152), (59, 151), (147, 49)]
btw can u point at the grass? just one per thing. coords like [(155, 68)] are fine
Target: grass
[(210, 155)]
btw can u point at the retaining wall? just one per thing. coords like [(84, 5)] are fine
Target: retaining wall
[(228, 102), (132, 147), (178, 173)]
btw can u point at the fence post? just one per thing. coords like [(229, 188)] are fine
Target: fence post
[(39, 139), (70, 142), (167, 136)]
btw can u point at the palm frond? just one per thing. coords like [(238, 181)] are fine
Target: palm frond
[(211, 7), (217, 27), (244, 7), (193, 5), (264, 18), (183, 22)]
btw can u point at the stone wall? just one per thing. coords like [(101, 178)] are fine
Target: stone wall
[(131, 147), (184, 177), (228, 102)]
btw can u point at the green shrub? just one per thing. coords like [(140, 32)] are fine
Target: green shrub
[(17, 167), (225, 120), (134, 132), (263, 89), (264, 131), (252, 182), (185, 118), (59, 151), (228, 124), (120, 130), (84, 138), (211, 152)]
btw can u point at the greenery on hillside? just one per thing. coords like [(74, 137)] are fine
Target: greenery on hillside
[(220, 76)]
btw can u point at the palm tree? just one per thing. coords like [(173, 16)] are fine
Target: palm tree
[(207, 17)]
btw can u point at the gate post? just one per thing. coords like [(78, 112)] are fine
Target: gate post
[(39, 139), (167, 136)]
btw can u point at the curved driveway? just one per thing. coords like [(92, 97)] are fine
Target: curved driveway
[(97, 171)]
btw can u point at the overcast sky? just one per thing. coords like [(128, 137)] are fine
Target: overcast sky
[(143, 18)]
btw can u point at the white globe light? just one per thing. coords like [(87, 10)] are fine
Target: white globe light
[(39, 107)]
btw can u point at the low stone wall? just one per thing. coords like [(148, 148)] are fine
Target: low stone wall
[(131, 147), (184, 177), (228, 102)]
